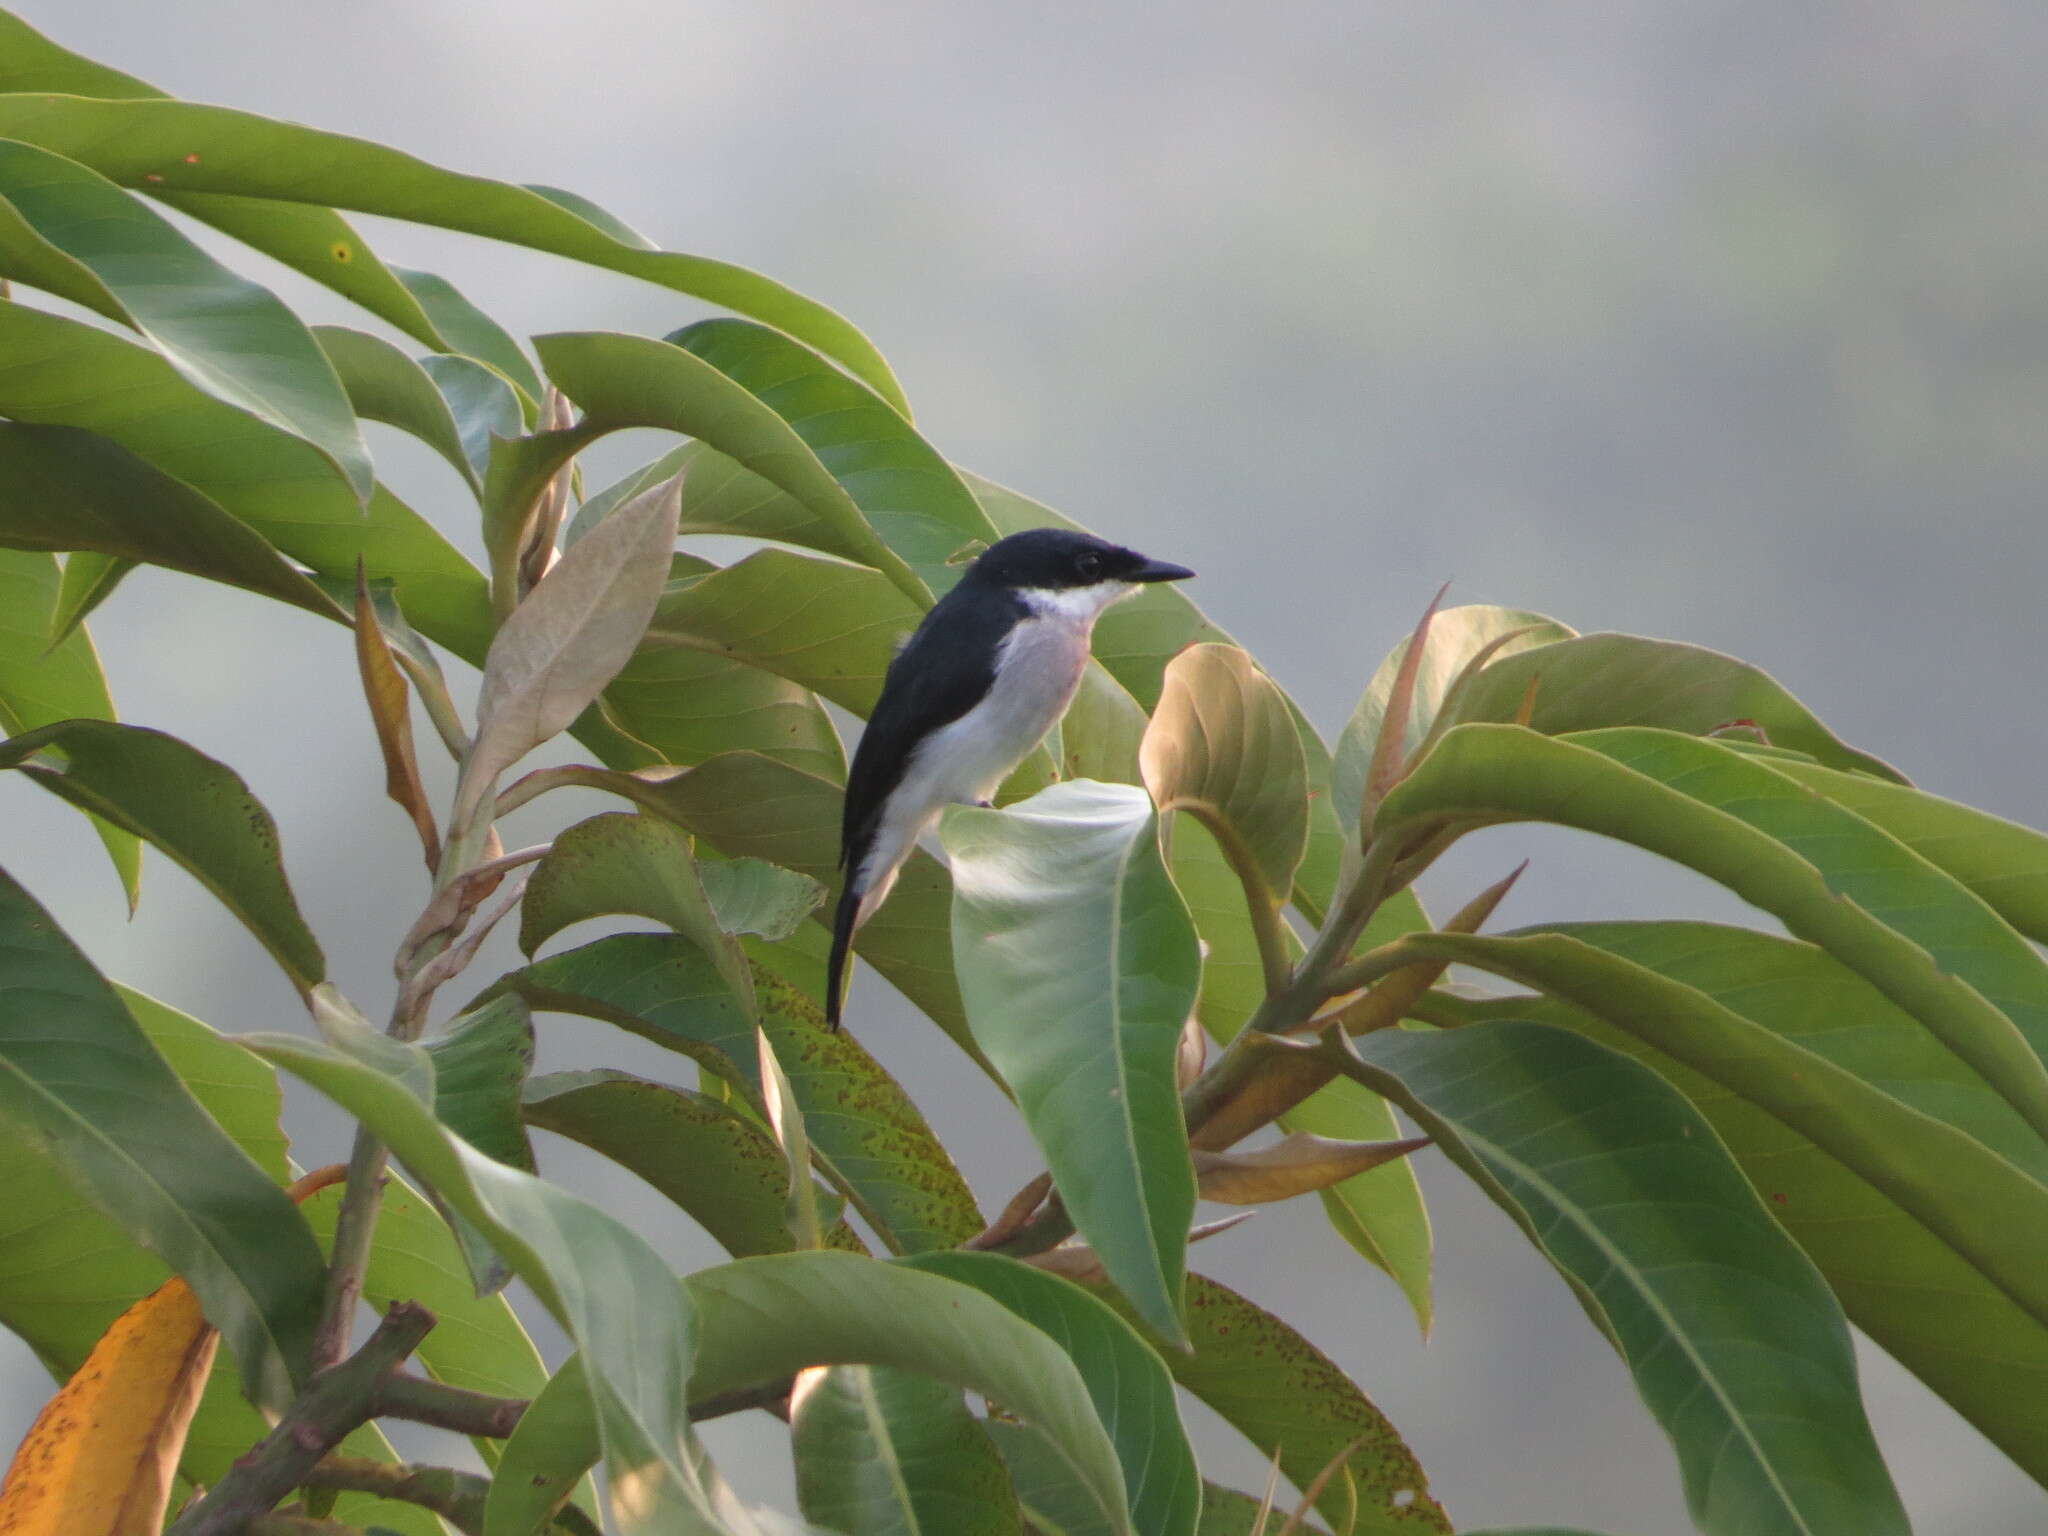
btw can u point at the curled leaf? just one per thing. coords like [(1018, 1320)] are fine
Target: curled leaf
[(1295, 1166)]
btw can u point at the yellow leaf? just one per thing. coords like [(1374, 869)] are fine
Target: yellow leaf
[(99, 1459)]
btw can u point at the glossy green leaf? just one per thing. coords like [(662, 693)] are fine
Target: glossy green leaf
[(70, 231), (482, 404), (66, 489), (1380, 1213), (1979, 1349), (74, 1067), (596, 1275), (885, 1453), (194, 809), (1079, 965), (764, 1318), (2003, 862), (384, 384), (1457, 636), (1222, 747), (831, 627), (1594, 681), (1129, 1385), (1735, 1342), (89, 580), (470, 332), (480, 1066), (214, 149), (685, 707), (864, 1129), (41, 683), (719, 1165), (61, 372), (633, 381), (745, 803), (553, 1445), (1829, 876)]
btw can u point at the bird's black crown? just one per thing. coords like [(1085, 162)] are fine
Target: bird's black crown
[(1050, 559)]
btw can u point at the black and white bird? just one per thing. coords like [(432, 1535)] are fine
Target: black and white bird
[(989, 671)]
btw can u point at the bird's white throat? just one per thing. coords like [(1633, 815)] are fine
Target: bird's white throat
[(1077, 605)]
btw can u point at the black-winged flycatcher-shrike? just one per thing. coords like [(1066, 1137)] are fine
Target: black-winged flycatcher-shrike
[(992, 667)]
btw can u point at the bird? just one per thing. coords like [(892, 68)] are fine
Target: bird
[(980, 682)]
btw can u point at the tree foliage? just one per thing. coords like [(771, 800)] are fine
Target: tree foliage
[(1730, 1143)]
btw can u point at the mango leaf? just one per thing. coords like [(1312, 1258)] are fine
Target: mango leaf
[(569, 638), (553, 1445), (483, 404), (68, 373), (480, 1066), (471, 333), (1380, 1212), (633, 381), (1736, 1344), (1223, 747), (1226, 1512), (190, 148), (89, 580), (1980, 1350), (866, 1133), (595, 1275), (685, 706), (1829, 876), (2003, 862), (386, 385), (72, 232), (831, 627), (719, 1165), (1079, 965), (73, 1066), (754, 896), (885, 1453), (41, 683), (1287, 1398), (1130, 1387), (65, 489), (1594, 681), (1457, 638), (194, 809), (764, 1318)]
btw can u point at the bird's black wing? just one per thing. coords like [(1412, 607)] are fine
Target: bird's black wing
[(941, 673)]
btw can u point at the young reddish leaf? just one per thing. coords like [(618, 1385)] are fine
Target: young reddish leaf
[(389, 699), (1389, 756), (1301, 1163)]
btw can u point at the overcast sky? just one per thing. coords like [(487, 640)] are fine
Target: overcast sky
[(1717, 321)]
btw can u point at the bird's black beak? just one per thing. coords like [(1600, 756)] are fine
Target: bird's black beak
[(1159, 570)]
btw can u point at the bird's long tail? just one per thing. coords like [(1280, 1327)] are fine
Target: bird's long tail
[(843, 923)]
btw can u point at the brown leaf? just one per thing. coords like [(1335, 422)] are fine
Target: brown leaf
[(1295, 1166), (390, 710), (1389, 760)]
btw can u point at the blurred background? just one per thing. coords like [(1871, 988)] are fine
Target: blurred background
[(1720, 320)]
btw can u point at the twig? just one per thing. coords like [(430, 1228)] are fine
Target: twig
[(458, 1497), (771, 1395), (414, 1398), (333, 1403), (1015, 1214)]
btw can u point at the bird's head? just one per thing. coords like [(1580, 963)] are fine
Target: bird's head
[(1058, 568)]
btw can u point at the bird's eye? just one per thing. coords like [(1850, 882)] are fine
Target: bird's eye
[(1089, 565)]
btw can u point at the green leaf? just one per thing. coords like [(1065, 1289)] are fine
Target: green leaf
[(72, 232), (905, 489), (1222, 746), (831, 627), (1736, 1344), (601, 1281), (1380, 1212), (554, 1444), (720, 1166), (66, 489), (1594, 681), (867, 1134), (1226, 1512), (74, 1068), (632, 381), (1079, 965), (89, 580), (763, 1318), (1129, 1385), (684, 707), (1979, 1350), (386, 385), (885, 1453), (1829, 876), (240, 153), (194, 809), (63, 372), (471, 332), (754, 896), (747, 804), (2003, 862), (1457, 636), (41, 683), (482, 404), (480, 1067)]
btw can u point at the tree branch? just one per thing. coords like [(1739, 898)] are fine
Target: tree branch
[(402, 1395), (334, 1402)]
